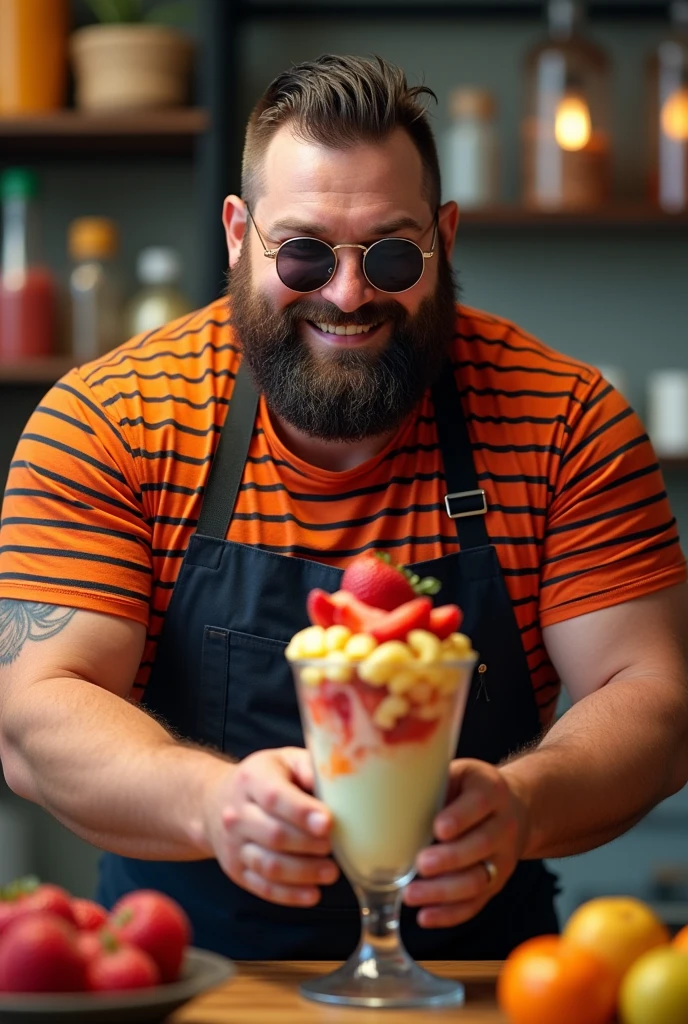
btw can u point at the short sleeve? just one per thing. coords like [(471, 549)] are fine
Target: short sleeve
[(73, 528), (610, 533)]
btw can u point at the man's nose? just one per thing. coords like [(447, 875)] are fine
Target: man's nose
[(349, 288)]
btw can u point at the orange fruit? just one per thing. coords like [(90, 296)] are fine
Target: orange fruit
[(547, 981), (618, 929), (655, 989), (680, 940)]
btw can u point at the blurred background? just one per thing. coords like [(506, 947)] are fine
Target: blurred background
[(563, 133)]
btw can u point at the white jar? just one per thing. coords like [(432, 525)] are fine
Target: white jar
[(470, 150), (158, 269), (667, 412)]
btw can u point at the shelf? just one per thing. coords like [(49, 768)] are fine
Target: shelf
[(44, 370), (616, 215), (600, 10), (68, 133)]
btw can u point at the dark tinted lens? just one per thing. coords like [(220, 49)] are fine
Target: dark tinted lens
[(393, 264), (305, 264)]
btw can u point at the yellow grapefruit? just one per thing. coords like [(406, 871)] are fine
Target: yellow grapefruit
[(655, 989), (618, 929)]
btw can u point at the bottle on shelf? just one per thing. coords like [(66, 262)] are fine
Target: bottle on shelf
[(566, 141), (33, 56), (668, 88), (159, 300), (470, 150), (28, 295), (94, 287)]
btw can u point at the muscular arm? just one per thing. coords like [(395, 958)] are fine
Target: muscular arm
[(623, 746), (72, 742)]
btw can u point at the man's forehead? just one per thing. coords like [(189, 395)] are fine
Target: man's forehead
[(307, 182)]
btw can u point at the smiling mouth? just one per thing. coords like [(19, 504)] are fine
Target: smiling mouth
[(347, 330)]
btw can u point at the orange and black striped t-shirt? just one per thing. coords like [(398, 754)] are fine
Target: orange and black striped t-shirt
[(106, 484)]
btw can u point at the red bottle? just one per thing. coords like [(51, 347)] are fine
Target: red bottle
[(27, 288)]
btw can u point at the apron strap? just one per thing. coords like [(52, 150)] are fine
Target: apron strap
[(227, 469), (465, 502)]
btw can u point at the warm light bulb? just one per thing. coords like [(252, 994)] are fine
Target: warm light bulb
[(674, 116), (572, 124)]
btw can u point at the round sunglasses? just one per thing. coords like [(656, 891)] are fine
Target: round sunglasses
[(308, 264)]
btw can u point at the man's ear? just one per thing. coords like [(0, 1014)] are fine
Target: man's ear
[(235, 223), (448, 222)]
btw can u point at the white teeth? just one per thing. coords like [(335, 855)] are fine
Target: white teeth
[(349, 329)]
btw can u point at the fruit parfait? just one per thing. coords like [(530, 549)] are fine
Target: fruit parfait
[(382, 678)]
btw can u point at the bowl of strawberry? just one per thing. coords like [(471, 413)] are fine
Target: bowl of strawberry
[(67, 958)]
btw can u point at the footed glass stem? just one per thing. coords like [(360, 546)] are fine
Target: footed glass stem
[(380, 973), (381, 766)]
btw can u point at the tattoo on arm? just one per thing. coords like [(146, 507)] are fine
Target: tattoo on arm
[(28, 620)]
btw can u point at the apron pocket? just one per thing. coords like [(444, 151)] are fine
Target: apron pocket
[(261, 707), (211, 707)]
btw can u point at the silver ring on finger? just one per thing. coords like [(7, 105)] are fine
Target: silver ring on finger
[(491, 869)]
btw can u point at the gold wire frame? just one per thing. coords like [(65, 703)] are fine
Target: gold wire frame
[(272, 253)]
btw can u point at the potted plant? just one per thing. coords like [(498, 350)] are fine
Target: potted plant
[(135, 58)]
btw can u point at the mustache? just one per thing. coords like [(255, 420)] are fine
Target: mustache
[(328, 313)]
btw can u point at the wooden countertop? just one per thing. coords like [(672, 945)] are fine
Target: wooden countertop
[(266, 993)]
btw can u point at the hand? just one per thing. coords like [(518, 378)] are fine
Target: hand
[(267, 831), (483, 819)]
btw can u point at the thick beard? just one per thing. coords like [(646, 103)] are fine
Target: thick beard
[(354, 394)]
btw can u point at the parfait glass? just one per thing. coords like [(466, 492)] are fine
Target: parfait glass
[(381, 756)]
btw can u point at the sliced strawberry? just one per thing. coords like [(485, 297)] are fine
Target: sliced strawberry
[(358, 616), (320, 608), (445, 620), (409, 729), (370, 696), (395, 625)]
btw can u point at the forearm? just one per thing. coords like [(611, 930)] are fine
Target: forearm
[(108, 771), (602, 767)]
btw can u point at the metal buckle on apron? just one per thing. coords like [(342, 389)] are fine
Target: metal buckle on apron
[(466, 503)]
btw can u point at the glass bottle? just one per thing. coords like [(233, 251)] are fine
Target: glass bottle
[(28, 298), (94, 287), (470, 171), (668, 85), (566, 144), (160, 299), (33, 55)]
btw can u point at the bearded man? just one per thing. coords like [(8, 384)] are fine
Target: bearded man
[(345, 402)]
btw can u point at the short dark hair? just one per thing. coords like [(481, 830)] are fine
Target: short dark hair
[(340, 101)]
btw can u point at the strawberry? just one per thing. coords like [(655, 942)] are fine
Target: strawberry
[(27, 896), (370, 696), (406, 730), (396, 624), (354, 613), (88, 916), (120, 965), (156, 924), (90, 945), (373, 578), (38, 953), (321, 608), (376, 582), (49, 898), (409, 729), (445, 620), (8, 912)]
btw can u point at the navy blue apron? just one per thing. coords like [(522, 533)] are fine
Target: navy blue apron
[(220, 679)]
